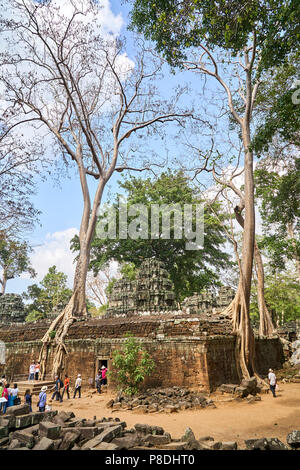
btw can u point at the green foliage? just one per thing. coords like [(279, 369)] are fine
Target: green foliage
[(52, 334), (14, 258), (190, 270), (131, 365), (34, 315), (52, 294), (279, 195), (282, 296), (278, 113), (176, 26)]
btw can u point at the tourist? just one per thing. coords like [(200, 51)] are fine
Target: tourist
[(5, 395), (272, 382), (103, 373), (1, 391), (14, 394), (58, 386), (28, 399), (3, 380), (31, 371), (78, 386), (66, 387), (37, 371), (98, 381), (42, 399), (10, 401)]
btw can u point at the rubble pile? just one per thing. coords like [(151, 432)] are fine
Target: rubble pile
[(52, 430), (168, 400)]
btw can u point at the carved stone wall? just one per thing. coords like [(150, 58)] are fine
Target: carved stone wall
[(12, 309)]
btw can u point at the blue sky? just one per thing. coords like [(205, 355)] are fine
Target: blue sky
[(61, 206)]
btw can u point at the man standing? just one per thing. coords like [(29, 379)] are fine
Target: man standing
[(31, 371), (78, 386), (272, 382), (37, 371), (58, 385), (66, 387)]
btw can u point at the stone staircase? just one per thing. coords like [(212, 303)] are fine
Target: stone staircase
[(34, 386)]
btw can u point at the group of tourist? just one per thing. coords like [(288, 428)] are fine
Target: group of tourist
[(34, 371), (101, 378), (8, 395)]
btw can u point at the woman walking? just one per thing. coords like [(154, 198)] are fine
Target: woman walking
[(42, 398)]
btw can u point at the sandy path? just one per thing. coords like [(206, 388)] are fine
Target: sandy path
[(230, 421)]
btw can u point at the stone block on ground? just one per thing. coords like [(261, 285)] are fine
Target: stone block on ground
[(105, 436), (256, 444), (105, 446), (227, 388), (23, 421), (229, 446), (48, 429), (24, 437), (3, 431), (156, 440), (69, 439), (126, 442), (44, 444), (18, 410), (293, 439)]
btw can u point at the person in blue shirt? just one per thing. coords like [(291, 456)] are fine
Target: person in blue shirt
[(28, 399), (42, 398)]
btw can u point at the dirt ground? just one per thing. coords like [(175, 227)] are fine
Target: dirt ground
[(229, 421)]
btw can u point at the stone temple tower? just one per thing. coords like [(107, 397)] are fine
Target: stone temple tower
[(151, 291)]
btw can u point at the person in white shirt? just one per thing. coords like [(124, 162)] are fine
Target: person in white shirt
[(78, 386), (31, 371), (14, 393), (272, 382)]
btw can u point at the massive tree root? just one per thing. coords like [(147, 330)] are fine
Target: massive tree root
[(60, 326)]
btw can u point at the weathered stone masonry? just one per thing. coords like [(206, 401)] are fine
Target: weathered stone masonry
[(189, 350)]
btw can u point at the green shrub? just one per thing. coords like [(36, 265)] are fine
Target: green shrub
[(131, 365)]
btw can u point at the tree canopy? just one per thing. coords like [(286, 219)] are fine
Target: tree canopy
[(52, 294), (190, 270), (14, 259)]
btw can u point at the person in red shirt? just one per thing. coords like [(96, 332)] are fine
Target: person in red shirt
[(66, 387), (103, 373), (5, 395)]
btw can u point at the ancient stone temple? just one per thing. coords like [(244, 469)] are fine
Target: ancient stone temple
[(12, 309), (151, 291), (208, 302), (192, 347)]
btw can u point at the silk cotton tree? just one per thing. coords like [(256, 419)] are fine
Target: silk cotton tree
[(66, 77), (250, 36)]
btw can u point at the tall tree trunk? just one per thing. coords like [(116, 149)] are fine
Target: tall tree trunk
[(239, 309), (3, 283), (266, 327), (76, 307)]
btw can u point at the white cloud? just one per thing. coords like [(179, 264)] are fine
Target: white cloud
[(55, 251)]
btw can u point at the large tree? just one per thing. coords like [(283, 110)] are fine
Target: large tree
[(190, 270), (69, 80), (251, 36)]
